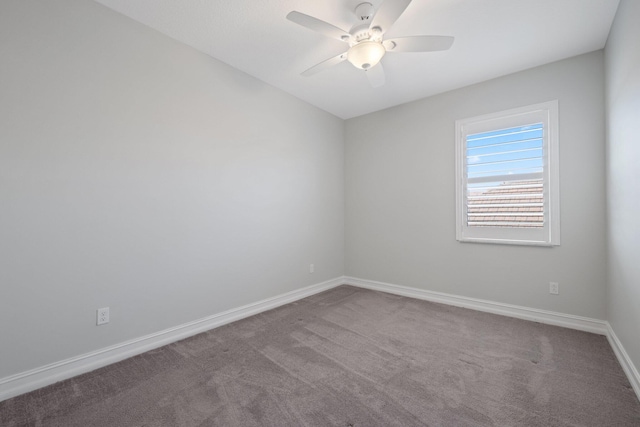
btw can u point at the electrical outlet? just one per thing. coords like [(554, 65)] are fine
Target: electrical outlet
[(554, 288), (312, 268), (102, 316)]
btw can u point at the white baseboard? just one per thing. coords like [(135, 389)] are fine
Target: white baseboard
[(526, 313), (33, 379), (625, 361), (600, 327), (24, 382)]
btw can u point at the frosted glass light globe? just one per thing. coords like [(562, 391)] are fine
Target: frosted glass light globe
[(366, 54)]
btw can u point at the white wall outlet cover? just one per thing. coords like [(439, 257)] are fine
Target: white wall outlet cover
[(102, 316)]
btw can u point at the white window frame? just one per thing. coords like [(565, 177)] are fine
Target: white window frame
[(549, 234)]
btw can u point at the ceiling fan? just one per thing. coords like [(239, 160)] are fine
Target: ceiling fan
[(366, 43)]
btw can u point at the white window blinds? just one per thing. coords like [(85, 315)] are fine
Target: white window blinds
[(507, 177)]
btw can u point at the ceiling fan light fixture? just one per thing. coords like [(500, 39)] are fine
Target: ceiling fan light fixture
[(365, 54)]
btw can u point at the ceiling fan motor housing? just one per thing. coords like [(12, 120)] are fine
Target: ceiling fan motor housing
[(361, 30)]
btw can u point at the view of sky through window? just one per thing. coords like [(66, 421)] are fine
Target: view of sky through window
[(512, 151)]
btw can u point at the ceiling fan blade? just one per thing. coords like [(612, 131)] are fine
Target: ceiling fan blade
[(318, 25), (388, 13), (418, 44), (325, 64), (375, 75)]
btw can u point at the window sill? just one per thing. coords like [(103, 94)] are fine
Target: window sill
[(510, 242)]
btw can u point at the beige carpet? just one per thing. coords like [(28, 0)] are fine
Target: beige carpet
[(352, 357)]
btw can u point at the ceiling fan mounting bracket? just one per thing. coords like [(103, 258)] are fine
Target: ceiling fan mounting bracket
[(364, 12)]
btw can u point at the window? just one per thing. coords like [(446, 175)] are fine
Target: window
[(507, 177)]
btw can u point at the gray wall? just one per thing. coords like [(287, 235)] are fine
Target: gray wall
[(140, 174), (623, 176), (400, 195)]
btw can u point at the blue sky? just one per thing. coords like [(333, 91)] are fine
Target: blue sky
[(509, 151)]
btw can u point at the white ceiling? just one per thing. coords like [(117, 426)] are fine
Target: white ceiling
[(492, 38)]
